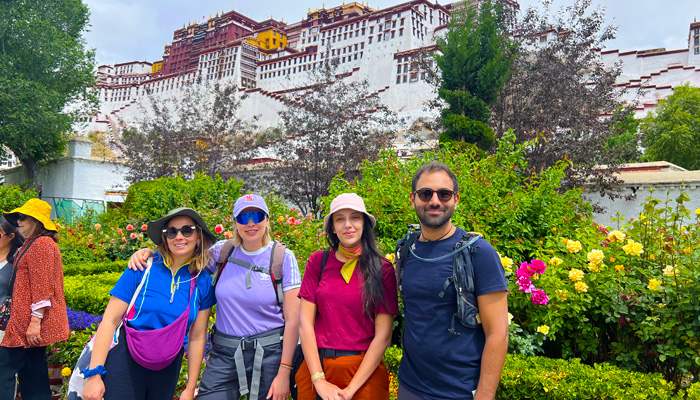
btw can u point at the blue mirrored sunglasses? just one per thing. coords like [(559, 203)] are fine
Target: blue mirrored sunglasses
[(256, 216)]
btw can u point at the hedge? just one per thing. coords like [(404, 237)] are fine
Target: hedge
[(556, 379), (89, 293), (94, 268)]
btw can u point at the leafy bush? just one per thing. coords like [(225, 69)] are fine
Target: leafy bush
[(514, 207), (627, 296), (94, 268), (12, 197), (89, 293), (545, 378), (68, 352)]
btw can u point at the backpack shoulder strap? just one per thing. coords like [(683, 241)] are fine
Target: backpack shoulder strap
[(224, 254), (276, 263), (402, 251)]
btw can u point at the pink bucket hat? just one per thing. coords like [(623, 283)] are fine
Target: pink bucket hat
[(351, 201)]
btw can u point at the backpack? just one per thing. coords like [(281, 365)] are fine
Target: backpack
[(274, 270), (462, 274)]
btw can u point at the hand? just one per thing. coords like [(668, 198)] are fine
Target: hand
[(94, 388), (328, 391), (139, 260), (187, 394), (279, 390), (348, 393), (34, 332)]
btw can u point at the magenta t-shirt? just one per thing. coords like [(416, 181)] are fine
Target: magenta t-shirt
[(341, 324)]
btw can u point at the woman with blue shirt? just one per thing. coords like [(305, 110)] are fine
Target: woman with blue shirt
[(169, 298)]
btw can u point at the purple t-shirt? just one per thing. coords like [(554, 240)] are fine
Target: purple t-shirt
[(241, 311)]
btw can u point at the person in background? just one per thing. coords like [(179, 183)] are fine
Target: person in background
[(10, 241), (348, 303), (38, 316), (170, 298)]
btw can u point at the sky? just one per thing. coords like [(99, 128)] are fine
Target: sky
[(128, 30)]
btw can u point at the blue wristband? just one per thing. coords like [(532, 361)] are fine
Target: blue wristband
[(99, 370)]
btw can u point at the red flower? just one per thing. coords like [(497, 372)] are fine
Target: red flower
[(133, 235), (219, 228), (129, 227), (120, 231), (144, 227)]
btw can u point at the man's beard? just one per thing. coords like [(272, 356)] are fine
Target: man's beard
[(434, 221)]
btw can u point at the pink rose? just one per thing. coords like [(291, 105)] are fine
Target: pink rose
[(538, 266), (219, 228), (133, 235), (539, 297), (120, 231), (291, 221), (525, 270), (129, 227), (525, 284), (144, 227)]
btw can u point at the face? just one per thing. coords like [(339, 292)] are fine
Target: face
[(347, 224), (182, 247), (252, 233), (5, 240), (26, 225), (434, 213)]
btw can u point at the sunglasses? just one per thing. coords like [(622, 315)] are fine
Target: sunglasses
[(187, 231), (21, 217), (426, 194), (256, 216)]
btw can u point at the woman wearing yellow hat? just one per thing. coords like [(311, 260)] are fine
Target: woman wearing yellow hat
[(38, 314)]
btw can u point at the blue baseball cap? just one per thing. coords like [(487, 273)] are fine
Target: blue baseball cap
[(250, 201)]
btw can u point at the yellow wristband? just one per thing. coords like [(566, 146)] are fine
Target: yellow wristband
[(317, 376)]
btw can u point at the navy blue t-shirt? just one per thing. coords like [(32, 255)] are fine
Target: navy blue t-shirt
[(437, 365)]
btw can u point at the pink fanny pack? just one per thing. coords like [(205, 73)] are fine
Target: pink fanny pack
[(156, 349)]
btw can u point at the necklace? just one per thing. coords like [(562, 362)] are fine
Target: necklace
[(440, 238)]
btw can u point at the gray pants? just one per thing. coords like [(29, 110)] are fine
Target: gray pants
[(220, 380)]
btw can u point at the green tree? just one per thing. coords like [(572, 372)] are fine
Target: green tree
[(475, 60), (44, 66), (672, 130)]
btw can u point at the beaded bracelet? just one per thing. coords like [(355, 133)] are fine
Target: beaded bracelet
[(99, 370)]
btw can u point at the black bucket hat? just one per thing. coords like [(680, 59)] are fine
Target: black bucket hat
[(155, 228)]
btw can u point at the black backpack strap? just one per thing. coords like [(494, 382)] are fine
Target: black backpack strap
[(324, 260), (276, 264), (402, 252), (226, 249)]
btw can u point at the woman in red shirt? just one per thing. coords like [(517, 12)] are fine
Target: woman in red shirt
[(38, 315), (347, 310)]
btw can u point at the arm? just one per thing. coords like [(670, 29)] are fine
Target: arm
[(195, 352), (139, 260), (40, 284), (493, 309), (279, 390), (383, 325), (307, 318), (94, 387)]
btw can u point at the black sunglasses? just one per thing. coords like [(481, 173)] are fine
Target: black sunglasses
[(21, 217), (186, 231), (426, 194)]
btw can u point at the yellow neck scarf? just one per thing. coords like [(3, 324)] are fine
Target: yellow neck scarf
[(352, 254)]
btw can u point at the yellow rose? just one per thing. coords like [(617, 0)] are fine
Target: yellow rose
[(662, 305), (576, 275), (280, 219), (697, 211), (563, 294), (574, 246), (652, 257), (390, 257), (66, 371), (654, 284), (670, 271), (543, 329), (633, 248), (510, 318), (554, 229), (687, 250), (506, 262), (642, 217), (593, 267), (612, 259), (580, 287), (619, 267), (595, 256), (616, 236), (554, 261)]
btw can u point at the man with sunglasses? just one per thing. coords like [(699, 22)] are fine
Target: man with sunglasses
[(444, 359)]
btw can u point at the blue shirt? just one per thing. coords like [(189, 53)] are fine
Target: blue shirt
[(153, 308), (437, 365)]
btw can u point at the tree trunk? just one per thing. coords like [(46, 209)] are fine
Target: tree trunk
[(31, 170)]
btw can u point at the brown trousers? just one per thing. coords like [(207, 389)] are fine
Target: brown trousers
[(339, 371)]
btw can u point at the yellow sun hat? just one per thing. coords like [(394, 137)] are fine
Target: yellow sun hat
[(35, 208)]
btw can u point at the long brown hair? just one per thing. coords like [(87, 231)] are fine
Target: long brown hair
[(40, 230), (200, 256)]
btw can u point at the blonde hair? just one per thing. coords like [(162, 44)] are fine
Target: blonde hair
[(237, 240), (200, 256)]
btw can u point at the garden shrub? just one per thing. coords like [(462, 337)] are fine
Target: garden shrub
[(12, 196), (94, 268), (89, 293), (628, 296), (514, 207), (556, 379)]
